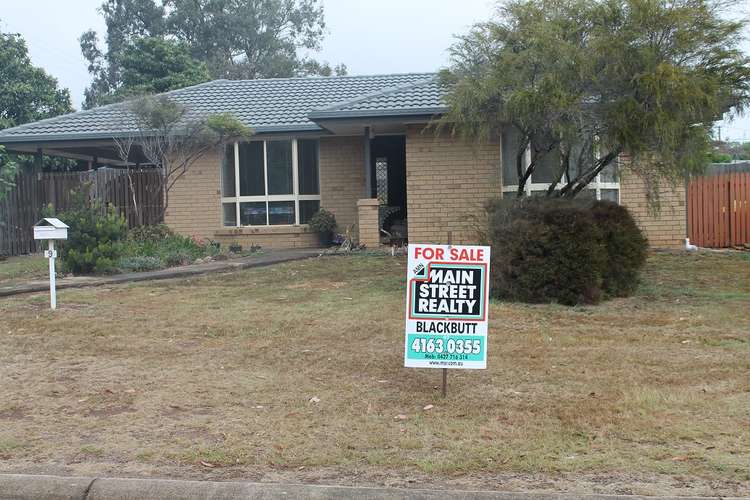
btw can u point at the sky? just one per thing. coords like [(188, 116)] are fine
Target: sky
[(382, 36)]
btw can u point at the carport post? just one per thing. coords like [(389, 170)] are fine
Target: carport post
[(368, 173)]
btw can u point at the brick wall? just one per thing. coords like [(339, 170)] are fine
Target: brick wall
[(448, 182), (195, 209), (342, 177), (268, 237), (195, 200), (668, 228)]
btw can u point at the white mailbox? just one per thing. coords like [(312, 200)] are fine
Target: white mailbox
[(50, 228)]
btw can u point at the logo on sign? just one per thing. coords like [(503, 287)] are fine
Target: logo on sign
[(449, 291)]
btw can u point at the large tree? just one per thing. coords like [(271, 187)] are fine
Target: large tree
[(233, 38), (151, 65), (579, 82), (27, 94)]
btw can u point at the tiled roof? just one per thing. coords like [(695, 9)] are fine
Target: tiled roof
[(270, 105), (422, 97)]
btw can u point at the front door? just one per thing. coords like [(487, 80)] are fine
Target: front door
[(388, 163)]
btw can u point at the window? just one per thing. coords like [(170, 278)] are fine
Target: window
[(270, 183), (606, 186)]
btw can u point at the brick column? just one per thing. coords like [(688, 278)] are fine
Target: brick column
[(369, 230)]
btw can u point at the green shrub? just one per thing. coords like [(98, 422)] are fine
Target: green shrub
[(626, 246), (565, 251), (545, 250), (140, 263), (322, 221), (95, 236), (155, 232), (171, 250)]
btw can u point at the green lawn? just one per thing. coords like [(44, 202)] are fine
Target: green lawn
[(294, 373)]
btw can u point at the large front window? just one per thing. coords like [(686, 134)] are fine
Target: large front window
[(270, 183), (606, 185)]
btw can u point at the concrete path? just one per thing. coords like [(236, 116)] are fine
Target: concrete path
[(27, 487), (260, 260)]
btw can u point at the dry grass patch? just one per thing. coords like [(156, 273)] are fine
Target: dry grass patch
[(21, 269), (213, 377)]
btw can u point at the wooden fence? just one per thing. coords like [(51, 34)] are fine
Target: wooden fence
[(719, 210), (22, 206)]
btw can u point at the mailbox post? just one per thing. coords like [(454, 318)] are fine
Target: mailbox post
[(51, 229)]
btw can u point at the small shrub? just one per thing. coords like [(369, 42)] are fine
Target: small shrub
[(626, 246), (153, 233), (140, 263), (235, 247), (322, 221), (171, 249), (95, 236), (179, 257)]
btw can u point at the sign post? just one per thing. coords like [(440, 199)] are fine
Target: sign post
[(51, 229), (447, 307)]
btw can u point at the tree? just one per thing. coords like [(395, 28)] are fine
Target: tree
[(233, 38), (155, 65), (27, 94), (172, 138), (582, 81)]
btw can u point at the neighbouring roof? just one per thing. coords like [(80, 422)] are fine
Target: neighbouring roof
[(268, 105)]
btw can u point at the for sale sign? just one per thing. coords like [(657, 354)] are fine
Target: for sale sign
[(447, 299)]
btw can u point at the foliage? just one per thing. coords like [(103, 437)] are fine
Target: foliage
[(545, 251), (717, 157), (172, 138), (231, 39), (582, 81), (153, 65), (152, 233), (322, 221), (235, 247), (726, 152), (95, 237), (140, 263), (8, 169), (626, 248), (27, 93), (565, 251), (158, 243)]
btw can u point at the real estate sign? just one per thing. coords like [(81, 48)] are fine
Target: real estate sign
[(447, 299)]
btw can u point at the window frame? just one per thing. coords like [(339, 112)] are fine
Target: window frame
[(295, 196), (531, 187)]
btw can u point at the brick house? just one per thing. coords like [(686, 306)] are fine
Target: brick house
[(354, 145)]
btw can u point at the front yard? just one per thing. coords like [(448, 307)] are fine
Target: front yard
[(294, 373)]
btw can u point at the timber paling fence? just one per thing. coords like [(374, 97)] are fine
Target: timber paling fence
[(23, 205), (719, 210)]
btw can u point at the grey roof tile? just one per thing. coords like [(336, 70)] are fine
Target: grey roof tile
[(421, 97), (279, 104)]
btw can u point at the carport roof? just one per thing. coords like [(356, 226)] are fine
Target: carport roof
[(278, 105)]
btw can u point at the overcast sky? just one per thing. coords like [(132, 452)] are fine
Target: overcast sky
[(381, 36)]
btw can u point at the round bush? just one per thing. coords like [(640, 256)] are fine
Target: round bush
[(626, 246), (546, 250)]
